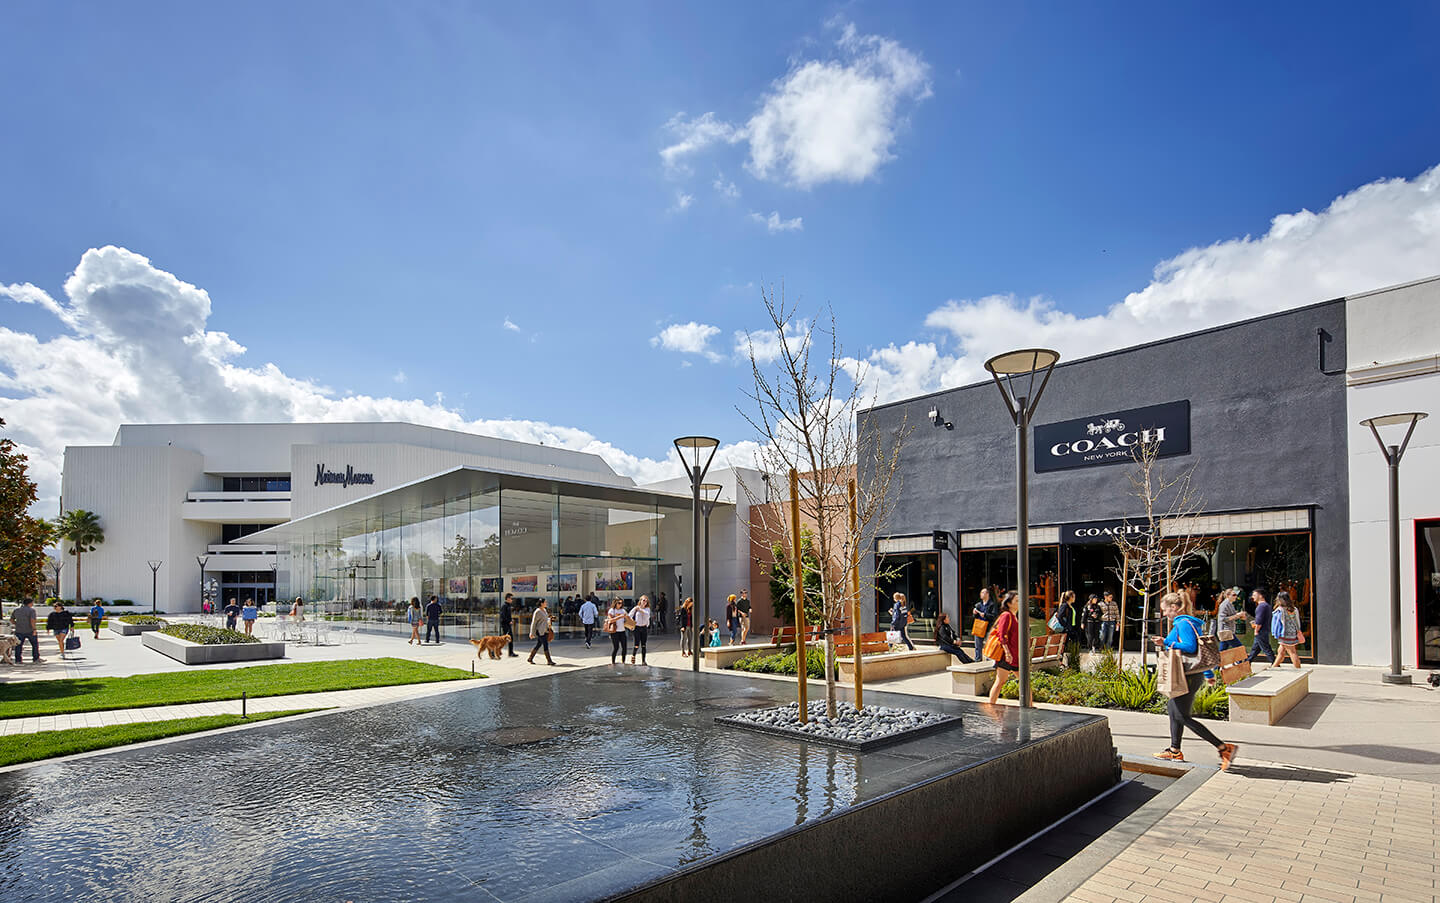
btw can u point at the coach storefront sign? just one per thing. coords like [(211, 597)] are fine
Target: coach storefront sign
[(1112, 438), (1100, 531), (350, 477)]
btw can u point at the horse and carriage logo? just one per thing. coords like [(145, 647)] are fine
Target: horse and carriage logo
[(1112, 425)]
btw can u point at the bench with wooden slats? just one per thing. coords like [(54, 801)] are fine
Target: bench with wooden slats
[(1234, 664), (870, 644), (785, 636)]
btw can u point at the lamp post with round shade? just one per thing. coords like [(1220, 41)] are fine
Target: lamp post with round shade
[(696, 453), (1392, 454), (709, 495), (1015, 373)]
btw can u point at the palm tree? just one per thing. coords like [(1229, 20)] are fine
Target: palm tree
[(82, 530)]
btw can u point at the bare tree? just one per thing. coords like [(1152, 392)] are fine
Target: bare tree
[(1153, 554), (807, 412)]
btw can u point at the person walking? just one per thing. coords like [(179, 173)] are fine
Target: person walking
[(662, 611), (742, 604), (615, 626), (1227, 619), (1285, 625), (413, 616), (640, 614), (1094, 614), (97, 614), (1184, 635), (231, 612), (987, 610), (248, 613), (588, 614), (1007, 630), (686, 617), (1068, 617), (59, 623), (22, 619), (946, 639), (507, 621), (1109, 620), (539, 632), (1261, 647), (297, 610), (732, 618), (900, 619), (432, 619)]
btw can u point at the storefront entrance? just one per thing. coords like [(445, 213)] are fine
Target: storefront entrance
[(918, 577), (1427, 590)]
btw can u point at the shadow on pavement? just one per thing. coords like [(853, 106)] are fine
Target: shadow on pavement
[(1286, 773)]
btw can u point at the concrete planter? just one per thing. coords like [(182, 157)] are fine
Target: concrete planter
[(124, 629), (189, 653)]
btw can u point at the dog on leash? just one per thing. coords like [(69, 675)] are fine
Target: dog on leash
[(490, 645), (8, 644)]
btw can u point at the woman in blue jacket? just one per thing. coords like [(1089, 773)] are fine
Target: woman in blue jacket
[(1185, 636)]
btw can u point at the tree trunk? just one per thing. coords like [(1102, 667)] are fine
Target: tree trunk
[(829, 675), (77, 578)]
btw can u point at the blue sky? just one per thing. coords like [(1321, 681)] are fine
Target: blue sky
[(367, 193)]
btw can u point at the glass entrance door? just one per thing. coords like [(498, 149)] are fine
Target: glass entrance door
[(1427, 590)]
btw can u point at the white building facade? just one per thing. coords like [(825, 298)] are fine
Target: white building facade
[(363, 516), (1393, 366)]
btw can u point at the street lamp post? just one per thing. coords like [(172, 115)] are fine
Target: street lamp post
[(1392, 455), (154, 572), (709, 495), (696, 447), (1017, 366), (200, 560)]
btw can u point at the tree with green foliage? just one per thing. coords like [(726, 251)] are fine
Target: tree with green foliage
[(22, 538), (82, 530), (782, 581)]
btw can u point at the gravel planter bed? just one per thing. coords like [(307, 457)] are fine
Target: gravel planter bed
[(874, 727), (189, 653)]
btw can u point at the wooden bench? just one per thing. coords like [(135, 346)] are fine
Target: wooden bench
[(785, 636), (870, 644), (1047, 652), (1267, 697), (1234, 664)]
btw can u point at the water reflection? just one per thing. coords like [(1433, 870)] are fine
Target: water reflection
[(571, 786)]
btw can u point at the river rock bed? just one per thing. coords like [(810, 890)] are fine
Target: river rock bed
[(851, 728)]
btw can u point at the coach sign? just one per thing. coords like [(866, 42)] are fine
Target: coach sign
[(1100, 531), (1112, 438)]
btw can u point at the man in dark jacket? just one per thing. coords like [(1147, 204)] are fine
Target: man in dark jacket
[(507, 621), (1261, 647), (432, 618)]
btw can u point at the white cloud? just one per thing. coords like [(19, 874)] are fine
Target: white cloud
[(1380, 234), (137, 350), (682, 201), (688, 338), (510, 325), (826, 120), (400, 376), (725, 188), (774, 223), (765, 345)]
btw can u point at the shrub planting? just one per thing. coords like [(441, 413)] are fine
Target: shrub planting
[(207, 636), (140, 619), (784, 663)]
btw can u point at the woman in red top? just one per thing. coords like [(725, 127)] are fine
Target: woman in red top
[(1007, 627)]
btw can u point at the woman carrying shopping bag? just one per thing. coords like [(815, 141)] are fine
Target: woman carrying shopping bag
[(1003, 644), (1285, 627), (1185, 664)]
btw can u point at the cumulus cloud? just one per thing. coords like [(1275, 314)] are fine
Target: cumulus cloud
[(400, 376), (688, 338), (682, 201), (826, 120), (725, 189), (773, 223), (765, 345), (136, 349), (510, 325), (1380, 234)]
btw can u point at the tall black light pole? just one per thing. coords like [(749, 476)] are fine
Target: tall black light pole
[(696, 447), (1021, 400), (1393, 454), (200, 560), (154, 572), (709, 495)]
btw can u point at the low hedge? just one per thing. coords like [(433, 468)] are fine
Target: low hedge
[(140, 619), (1130, 690), (784, 663), (207, 636), (123, 602)]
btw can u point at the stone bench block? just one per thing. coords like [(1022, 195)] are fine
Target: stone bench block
[(896, 664), (1268, 697), (722, 657)]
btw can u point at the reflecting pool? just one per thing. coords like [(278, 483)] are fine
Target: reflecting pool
[(573, 786)]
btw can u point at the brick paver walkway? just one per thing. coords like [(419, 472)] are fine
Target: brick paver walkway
[(1264, 833)]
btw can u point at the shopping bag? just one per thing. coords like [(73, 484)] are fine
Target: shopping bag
[(1206, 657), (72, 642), (892, 637), (994, 649), (980, 628), (1056, 625), (1170, 674)]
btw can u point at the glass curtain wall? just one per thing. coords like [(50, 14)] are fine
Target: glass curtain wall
[(995, 569), (471, 547)]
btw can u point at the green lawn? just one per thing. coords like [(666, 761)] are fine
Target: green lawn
[(18, 748), (93, 694)]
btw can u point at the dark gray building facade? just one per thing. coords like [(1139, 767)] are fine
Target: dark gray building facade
[(1257, 408)]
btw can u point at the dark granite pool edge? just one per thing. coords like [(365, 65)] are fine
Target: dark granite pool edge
[(1021, 791)]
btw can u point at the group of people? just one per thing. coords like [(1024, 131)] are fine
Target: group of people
[(249, 612)]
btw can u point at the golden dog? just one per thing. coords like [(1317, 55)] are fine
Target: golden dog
[(490, 645)]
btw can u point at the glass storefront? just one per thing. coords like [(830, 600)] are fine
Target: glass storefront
[(995, 569), (1427, 590), (918, 577), (470, 537)]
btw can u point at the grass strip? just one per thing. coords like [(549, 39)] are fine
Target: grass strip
[(17, 748), (95, 694)]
